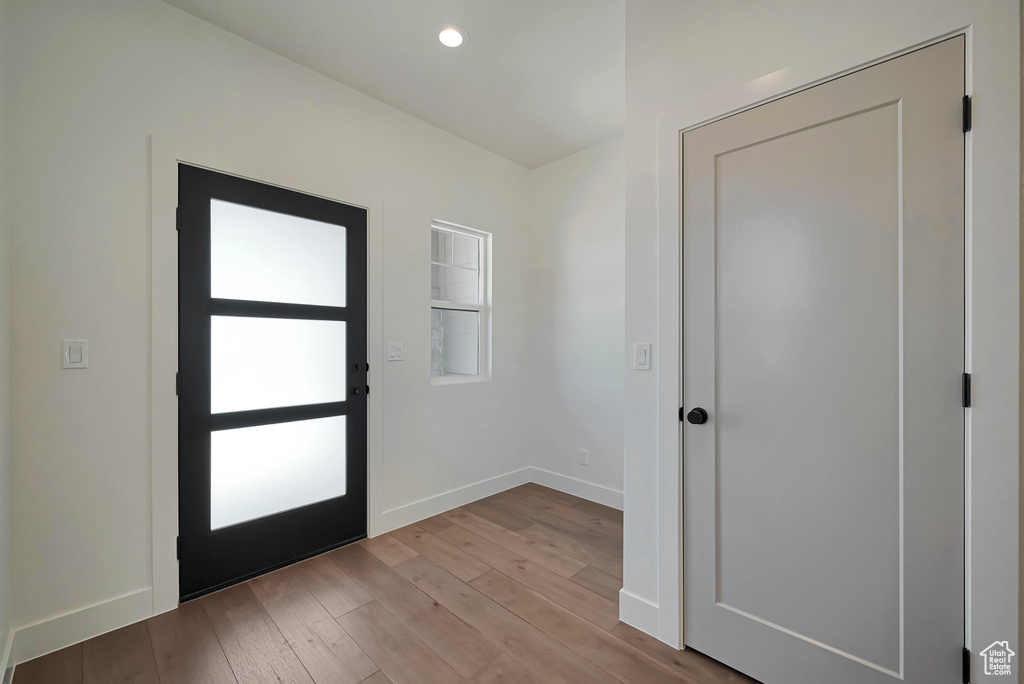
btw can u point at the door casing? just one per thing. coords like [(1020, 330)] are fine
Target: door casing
[(236, 161)]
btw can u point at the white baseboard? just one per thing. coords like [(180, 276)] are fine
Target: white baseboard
[(424, 508), (401, 516), (60, 631), (581, 488), (57, 632), (6, 662), (638, 612)]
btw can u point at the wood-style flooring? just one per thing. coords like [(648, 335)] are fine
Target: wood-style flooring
[(518, 588)]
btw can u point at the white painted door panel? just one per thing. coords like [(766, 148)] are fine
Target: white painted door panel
[(823, 331)]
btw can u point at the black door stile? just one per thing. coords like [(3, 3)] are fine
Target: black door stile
[(210, 560)]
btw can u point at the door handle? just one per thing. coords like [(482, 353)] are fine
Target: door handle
[(696, 416)]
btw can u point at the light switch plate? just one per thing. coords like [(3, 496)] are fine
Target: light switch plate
[(642, 356), (396, 351), (75, 353)]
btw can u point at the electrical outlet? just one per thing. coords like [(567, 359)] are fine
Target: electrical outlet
[(584, 457)]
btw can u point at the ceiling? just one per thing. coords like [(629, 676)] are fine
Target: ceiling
[(537, 81)]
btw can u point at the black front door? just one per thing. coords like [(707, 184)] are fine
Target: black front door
[(272, 377)]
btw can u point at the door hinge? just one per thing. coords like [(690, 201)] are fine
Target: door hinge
[(967, 113), (177, 548), (177, 384), (966, 390), (177, 218), (965, 666), (367, 389)]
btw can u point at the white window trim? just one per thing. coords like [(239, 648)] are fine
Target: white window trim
[(484, 309)]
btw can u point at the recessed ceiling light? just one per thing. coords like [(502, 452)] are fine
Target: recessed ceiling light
[(451, 35)]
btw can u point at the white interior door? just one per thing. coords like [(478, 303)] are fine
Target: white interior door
[(823, 332)]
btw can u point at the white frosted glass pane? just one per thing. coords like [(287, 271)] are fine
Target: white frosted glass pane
[(269, 362), (454, 342), (259, 471), (264, 256)]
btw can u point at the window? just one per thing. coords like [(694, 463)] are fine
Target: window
[(459, 311)]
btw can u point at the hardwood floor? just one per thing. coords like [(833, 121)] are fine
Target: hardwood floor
[(519, 588)]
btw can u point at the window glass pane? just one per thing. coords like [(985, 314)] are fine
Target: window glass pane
[(264, 256), (455, 268), (454, 342), (269, 362), (454, 284), (440, 246), (259, 471), (465, 251)]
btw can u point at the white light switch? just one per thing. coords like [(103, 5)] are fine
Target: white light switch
[(75, 353), (642, 356), (396, 351)]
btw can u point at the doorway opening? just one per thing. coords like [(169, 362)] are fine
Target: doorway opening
[(272, 375)]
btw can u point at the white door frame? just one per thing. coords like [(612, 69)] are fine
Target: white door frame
[(164, 332), (993, 294)]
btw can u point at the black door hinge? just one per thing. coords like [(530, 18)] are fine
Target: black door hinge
[(966, 390), (177, 218), (967, 113), (367, 389), (965, 666), (177, 549), (177, 384)]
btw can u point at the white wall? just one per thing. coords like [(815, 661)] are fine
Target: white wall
[(577, 212), (678, 51), (5, 565), (708, 59), (94, 80)]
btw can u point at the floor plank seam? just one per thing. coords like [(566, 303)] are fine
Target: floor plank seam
[(536, 569)]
